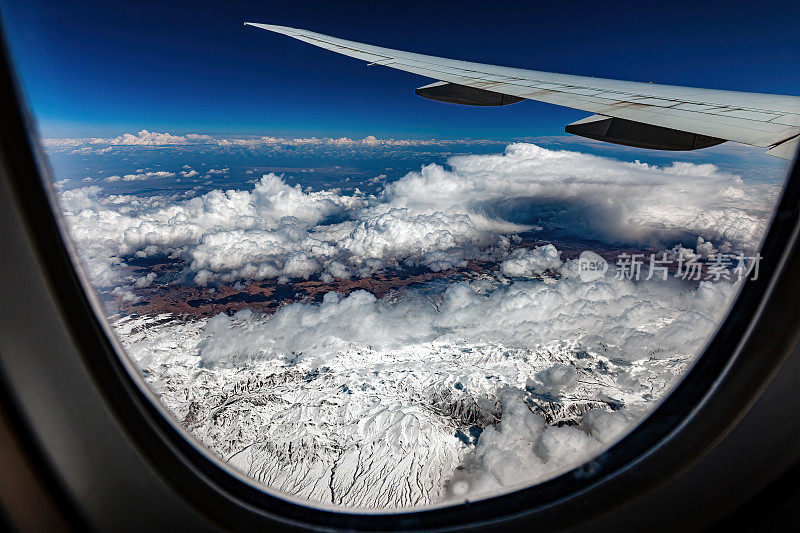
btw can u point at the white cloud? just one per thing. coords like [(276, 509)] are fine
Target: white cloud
[(100, 145), (142, 175), (436, 217), (600, 197), (524, 262), (145, 281), (631, 320), (148, 138), (217, 171)]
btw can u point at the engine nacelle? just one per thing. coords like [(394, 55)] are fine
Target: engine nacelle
[(639, 134)]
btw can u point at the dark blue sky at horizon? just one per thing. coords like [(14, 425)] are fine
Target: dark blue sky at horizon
[(103, 68)]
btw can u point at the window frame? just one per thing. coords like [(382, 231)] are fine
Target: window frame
[(758, 333)]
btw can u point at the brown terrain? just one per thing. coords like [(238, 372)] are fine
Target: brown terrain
[(269, 295), (188, 300)]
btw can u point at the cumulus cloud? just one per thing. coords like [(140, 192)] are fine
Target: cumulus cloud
[(217, 171), (596, 196), (622, 318), (524, 262), (145, 281), (145, 138), (238, 233), (436, 217), (142, 176), (148, 138), (522, 450)]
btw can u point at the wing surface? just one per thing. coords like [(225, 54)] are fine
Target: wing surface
[(639, 114)]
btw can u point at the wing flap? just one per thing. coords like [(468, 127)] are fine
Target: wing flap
[(786, 149)]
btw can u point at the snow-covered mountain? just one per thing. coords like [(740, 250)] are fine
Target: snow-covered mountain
[(430, 394), (477, 359)]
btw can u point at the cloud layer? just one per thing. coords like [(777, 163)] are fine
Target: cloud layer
[(437, 217), (514, 373), (145, 138)]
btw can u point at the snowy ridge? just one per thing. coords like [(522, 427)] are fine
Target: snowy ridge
[(406, 418)]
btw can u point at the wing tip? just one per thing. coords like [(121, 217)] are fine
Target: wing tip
[(271, 27)]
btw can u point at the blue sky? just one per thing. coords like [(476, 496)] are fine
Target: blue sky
[(98, 68)]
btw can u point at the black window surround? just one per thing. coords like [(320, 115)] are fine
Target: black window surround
[(43, 294)]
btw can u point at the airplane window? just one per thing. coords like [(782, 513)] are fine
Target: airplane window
[(369, 300)]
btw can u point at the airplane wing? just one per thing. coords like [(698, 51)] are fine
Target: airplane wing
[(638, 114)]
